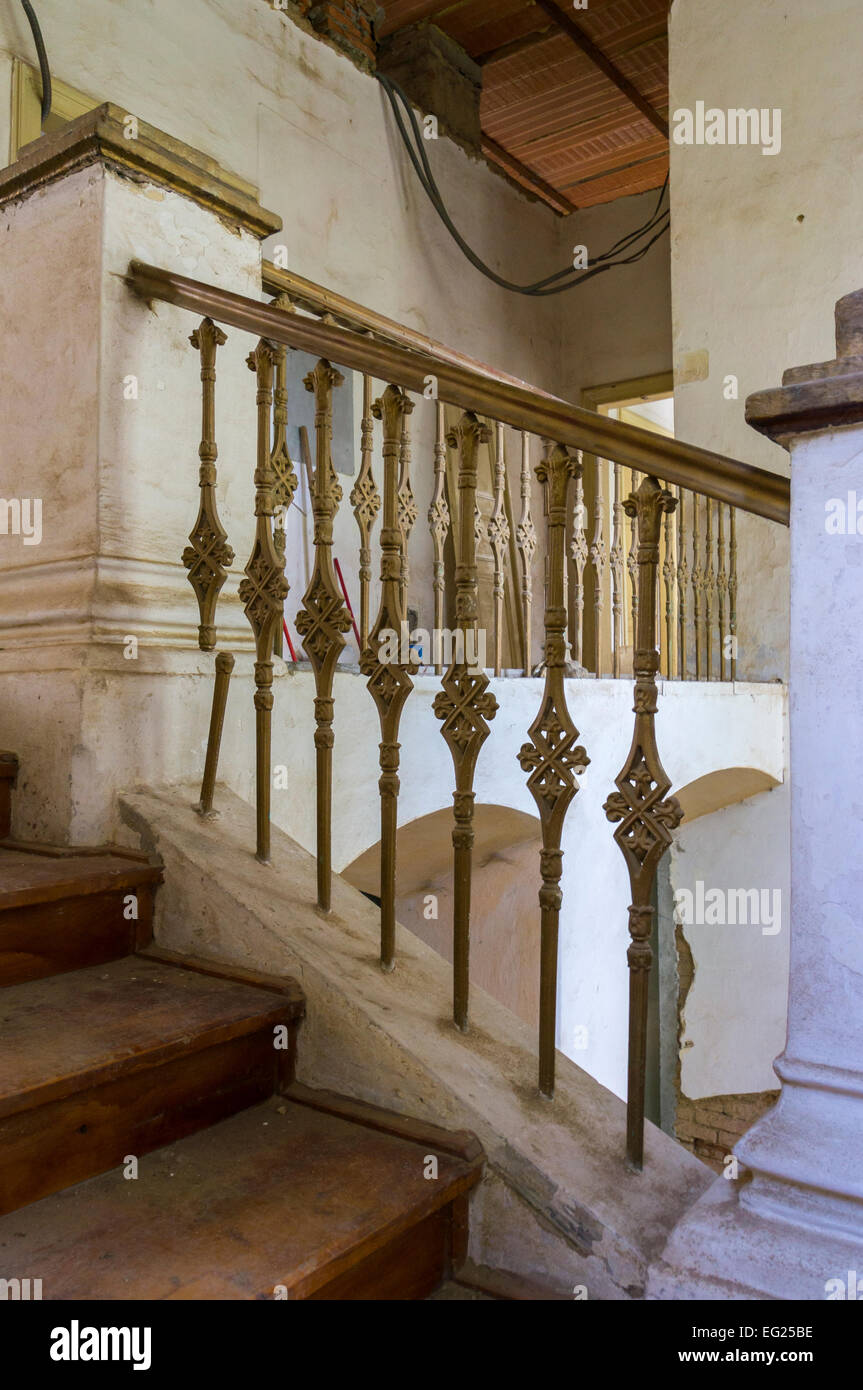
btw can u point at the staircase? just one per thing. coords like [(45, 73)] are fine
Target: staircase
[(154, 1143)]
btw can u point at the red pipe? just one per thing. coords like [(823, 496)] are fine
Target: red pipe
[(288, 640), (348, 602)]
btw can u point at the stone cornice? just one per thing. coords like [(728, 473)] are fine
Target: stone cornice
[(101, 137), (821, 396)]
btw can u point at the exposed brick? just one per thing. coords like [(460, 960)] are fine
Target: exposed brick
[(729, 1138), (702, 1132)]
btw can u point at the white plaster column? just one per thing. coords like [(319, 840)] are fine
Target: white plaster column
[(794, 1227), (100, 398)]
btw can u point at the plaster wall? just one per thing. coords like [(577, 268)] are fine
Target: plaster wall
[(734, 1017), (762, 245), (617, 326)]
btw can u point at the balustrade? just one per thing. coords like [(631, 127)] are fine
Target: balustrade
[(660, 600)]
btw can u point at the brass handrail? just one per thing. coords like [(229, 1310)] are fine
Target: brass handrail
[(717, 476)]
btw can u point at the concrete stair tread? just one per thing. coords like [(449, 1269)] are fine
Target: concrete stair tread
[(281, 1194), (29, 877), (63, 1032)]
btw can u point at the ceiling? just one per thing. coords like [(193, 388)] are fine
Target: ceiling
[(574, 101)]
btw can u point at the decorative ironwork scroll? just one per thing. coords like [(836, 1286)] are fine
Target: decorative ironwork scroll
[(669, 577), (697, 588), (407, 507), (616, 562), (366, 502), (709, 581), (263, 592), (721, 589), (525, 539), (682, 587), (732, 590), (498, 535), (632, 563), (578, 555), (645, 816), (598, 559), (208, 555), (284, 477), (389, 678), (323, 619), (439, 522), (465, 704), (553, 757)]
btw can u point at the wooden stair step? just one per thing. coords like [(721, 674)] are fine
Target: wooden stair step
[(283, 1195), (65, 912), (121, 1058)]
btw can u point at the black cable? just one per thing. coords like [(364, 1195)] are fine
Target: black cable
[(44, 69), (540, 288)]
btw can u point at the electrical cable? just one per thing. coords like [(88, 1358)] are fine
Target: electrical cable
[(44, 69), (570, 275)]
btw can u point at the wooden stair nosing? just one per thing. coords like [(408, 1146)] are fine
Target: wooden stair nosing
[(286, 985), (461, 1143), (59, 1087), (72, 879), (302, 1211)]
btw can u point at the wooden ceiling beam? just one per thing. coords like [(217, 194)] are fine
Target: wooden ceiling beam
[(615, 169), (524, 174), (598, 58), (508, 50)]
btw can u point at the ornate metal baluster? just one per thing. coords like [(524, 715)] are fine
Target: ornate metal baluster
[(578, 555), (639, 807), (465, 705), (632, 562), (682, 588), (525, 539), (263, 592), (598, 559), (669, 574), (365, 500), (224, 667), (498, 535), (284, 478), (323, 619), (389, 679), (732, 590), (407, 506), (552, 757), (208, 556), (616, 562), (697, 587), (709, 581), (721, 588), (438, 519)]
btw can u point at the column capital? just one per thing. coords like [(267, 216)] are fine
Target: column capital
[(118, 139), (822, 395)]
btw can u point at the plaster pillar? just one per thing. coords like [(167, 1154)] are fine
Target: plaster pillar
[(793, 1227), (102, 685)]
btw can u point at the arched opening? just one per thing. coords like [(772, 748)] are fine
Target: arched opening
[(504, 950)]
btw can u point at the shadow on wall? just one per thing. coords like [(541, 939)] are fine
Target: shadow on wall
[(504, 940)]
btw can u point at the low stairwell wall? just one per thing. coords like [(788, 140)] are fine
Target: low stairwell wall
[(557, 1205)]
